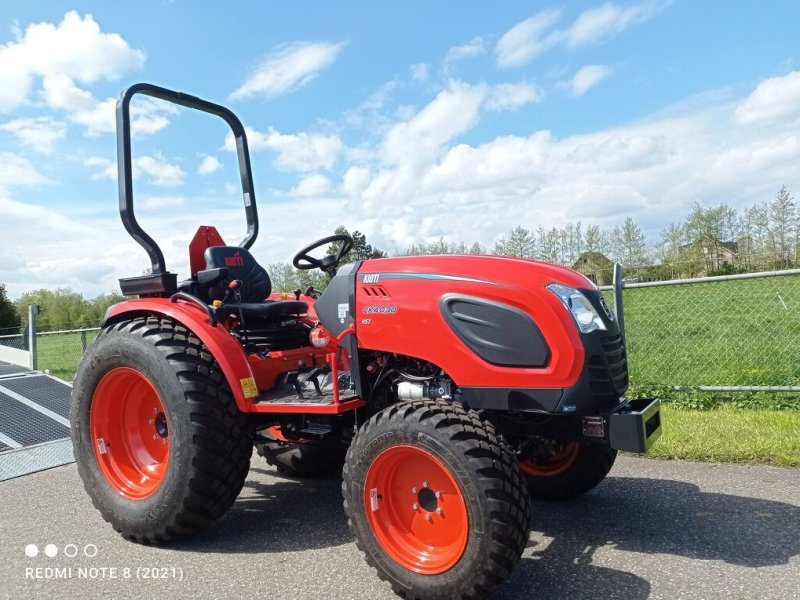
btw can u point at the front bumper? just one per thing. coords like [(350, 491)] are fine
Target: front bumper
[(635, 425)]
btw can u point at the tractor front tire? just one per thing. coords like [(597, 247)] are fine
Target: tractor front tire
[(435, 500), (574, 469), (159, 442), (301, 459)]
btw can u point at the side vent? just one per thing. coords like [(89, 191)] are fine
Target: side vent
[(375, 291)]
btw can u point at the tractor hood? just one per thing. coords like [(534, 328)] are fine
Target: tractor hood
[(498, 270)]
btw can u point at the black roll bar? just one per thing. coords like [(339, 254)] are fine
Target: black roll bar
[(125, 173)]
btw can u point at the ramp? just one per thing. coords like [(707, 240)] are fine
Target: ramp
[(34, 422)]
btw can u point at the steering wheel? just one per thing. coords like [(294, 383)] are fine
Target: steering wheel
[(328, 264)]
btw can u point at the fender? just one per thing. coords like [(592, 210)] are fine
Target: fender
[(227, 352)]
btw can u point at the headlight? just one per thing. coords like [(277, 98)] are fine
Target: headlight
[(586, 317)]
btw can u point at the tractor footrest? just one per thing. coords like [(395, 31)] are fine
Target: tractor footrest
[(313, 405)]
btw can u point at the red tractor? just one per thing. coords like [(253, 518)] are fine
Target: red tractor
[(447, 389)]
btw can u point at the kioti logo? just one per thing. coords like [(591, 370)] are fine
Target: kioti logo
[(234, 261)]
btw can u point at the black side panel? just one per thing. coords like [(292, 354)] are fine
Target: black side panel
[(500, 334), (336, 307)]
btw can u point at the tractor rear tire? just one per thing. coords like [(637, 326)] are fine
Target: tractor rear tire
[(579, 469), (160, 443), (301, 460), (435, 500)]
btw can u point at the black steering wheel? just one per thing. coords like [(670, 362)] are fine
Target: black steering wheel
[(328, 264)]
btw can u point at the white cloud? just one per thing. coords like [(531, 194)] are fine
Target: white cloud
[(452, 112), (301, 152), (107, 168), (607, 20), (37, 133), (586, 78), (474, 47), (505, 96), (527, 39), (773, 99), (160, 202), (160, 172), (530, 38), (16, 170), (288, 68), (420, 71), (76, 49), (312, 185), (209, 164)]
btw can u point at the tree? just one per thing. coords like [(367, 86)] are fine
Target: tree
[(60, 309), (361, 249), (518, 243), (783, 227), (629, 244), (9, 319), (595, 239), (476, 248)]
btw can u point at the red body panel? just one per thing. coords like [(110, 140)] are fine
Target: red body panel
[(235, 364), (205, 237), (226, 350), (414, 285)]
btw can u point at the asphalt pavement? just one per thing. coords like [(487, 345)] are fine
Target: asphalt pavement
[(653, 529)]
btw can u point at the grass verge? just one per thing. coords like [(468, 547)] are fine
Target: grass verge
[(729, 434)]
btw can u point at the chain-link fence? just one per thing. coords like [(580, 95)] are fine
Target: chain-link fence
[(59, 352), (733, 333), (14, 337)]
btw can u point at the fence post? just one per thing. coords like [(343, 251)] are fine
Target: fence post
[(83, 342), (33, 310), (618, 299)]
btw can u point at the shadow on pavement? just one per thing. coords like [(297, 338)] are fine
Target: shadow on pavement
[(284, 516), (637, 515), (648, 516)]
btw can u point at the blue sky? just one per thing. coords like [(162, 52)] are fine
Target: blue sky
[(408, 121)]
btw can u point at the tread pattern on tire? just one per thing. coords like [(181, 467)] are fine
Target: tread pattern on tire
[(590, 468), (503, 488), (220, 434), (301, 460)]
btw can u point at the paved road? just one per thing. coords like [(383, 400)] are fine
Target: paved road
[(654, 529)]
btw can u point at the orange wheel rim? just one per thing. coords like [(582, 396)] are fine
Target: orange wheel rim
[(416, 510), (561, 460), (129, 433)]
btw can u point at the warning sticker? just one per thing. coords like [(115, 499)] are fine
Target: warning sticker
[(249, 388), (343, 309)]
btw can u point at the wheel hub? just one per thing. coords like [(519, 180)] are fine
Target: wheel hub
[(129, 427), (414, 529), (161, 425)]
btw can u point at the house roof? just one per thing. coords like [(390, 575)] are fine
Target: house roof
[(594, 258)]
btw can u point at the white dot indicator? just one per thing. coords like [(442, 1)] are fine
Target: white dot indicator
[(31, 550), (51, 550)]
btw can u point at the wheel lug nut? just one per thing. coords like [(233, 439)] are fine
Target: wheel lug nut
[(424, 484), (155, 411), (438, 495), (428, 517), (438, 511), (415, 506), (155, 436), (413, 490)]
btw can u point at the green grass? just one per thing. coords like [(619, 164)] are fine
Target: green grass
[(722, 333), (61, 353), (729, 434)]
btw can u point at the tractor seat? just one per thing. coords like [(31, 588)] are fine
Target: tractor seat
[(255, 287), (265, 311)]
